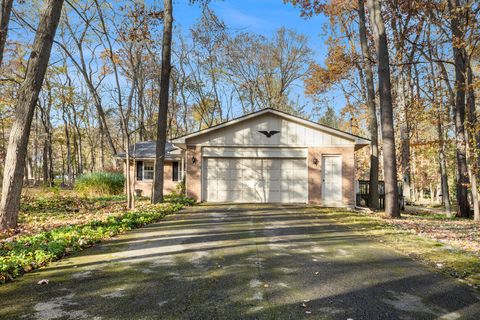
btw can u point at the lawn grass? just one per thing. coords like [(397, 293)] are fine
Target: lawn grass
[(443, 256)]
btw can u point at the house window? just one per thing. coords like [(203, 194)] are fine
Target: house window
[(176, 171), (148, 168), (139, 170)]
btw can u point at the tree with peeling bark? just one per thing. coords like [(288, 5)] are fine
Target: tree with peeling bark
[(27, 100)]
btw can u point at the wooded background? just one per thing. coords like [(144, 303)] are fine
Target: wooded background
[(101, 88)]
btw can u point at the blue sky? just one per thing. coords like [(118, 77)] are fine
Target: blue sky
[(262, 17)]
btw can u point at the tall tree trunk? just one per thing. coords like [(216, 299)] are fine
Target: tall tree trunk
[(141, 107), (472, 142), (68, 180), (463, 207), (46, 178), (102, 147), (388, 129), (443, 167), (373, 201), (27, 99), (157, 195), (405, 132), (4, 20)]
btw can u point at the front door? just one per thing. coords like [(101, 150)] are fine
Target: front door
[(332, 180)]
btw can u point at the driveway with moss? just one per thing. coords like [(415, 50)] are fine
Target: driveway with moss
[(239, 262)]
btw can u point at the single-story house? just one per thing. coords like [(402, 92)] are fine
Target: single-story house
[(267, 156), (142, 164)]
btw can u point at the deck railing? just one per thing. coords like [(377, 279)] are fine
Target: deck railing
[(363, 192)]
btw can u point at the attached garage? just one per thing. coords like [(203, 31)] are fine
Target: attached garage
[(254, 175), (271, 157), (255, 180)]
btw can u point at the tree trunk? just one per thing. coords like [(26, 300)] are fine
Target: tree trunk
[(443, 168), (472, 142), (389, 157), (4, 20), (68, 181), (157, 195), (373, 201), (27, 99), (46, 178), (405, 130), (463, 209)]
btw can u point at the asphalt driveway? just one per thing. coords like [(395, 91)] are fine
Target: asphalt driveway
[(239, 262)]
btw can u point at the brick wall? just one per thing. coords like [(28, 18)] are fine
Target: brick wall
[(315, 173), (194, 173), (169, 185)]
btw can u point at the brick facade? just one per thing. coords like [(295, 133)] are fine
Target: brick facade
[(315, 173), (169, 185), (193, 172)]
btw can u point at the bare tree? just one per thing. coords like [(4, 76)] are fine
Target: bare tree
[(27, 100)]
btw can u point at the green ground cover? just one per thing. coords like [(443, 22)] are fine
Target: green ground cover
[(54, 226)]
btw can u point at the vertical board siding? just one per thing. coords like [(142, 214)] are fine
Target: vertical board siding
[(291, 134)]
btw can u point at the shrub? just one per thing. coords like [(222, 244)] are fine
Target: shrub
[(100, 184)]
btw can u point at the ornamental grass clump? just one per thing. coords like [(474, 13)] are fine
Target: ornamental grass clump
[(100, 184)]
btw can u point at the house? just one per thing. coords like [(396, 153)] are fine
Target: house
[(266, 156), (142, 164)]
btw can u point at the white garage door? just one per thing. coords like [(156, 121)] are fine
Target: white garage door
[(255, 180)]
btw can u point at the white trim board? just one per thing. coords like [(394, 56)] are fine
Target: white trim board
[(221, 152)]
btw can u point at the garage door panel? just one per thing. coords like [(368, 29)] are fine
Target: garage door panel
[(212, 163), (222, 184), (255, 180), (296, 197), (287, 174), (223, 174), (296, 188), (298, 164), (235, 174), (222, 163), (249, 174), (250, 195), (274, 197)]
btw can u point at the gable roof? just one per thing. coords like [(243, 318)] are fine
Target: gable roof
[(360, 141), (147, 150)]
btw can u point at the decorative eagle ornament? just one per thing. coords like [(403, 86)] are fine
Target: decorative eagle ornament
[(270, 133)]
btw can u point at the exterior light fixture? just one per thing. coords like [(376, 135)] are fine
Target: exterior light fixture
[(194, 160), (315, 161)]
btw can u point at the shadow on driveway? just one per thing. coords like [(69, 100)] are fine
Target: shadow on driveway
[(239, 262)]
